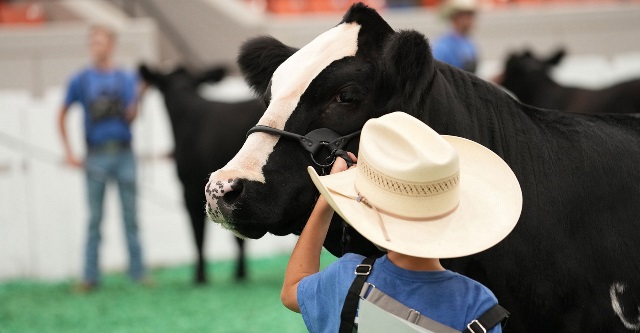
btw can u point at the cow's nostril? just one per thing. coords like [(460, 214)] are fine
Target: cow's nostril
[(232, 191)]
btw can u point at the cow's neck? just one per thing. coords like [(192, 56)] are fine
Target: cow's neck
[(179, 103), (464, 105)]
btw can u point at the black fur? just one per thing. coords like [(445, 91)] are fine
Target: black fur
[(259, 58), (373, 33)]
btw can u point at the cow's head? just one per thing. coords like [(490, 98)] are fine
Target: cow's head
[(525, 68), (359, 69), (180, 77)]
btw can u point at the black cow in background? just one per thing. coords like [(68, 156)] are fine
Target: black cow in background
[(527, 77), (207, 134)]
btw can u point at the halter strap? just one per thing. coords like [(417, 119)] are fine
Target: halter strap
[(313, 140)]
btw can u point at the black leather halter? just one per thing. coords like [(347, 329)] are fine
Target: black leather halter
[(314, 141)]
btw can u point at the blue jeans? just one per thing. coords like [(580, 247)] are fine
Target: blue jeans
[(102, 166)]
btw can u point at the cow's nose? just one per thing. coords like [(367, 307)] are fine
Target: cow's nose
[(232, 191), (224, 193), (216, 188)]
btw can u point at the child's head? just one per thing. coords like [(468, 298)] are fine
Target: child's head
[(418, 193)]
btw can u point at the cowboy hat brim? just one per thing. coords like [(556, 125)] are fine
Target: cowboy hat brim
[(489, 208)]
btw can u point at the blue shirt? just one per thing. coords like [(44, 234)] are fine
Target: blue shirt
[(445, 296), (456, 50), (105, 96)]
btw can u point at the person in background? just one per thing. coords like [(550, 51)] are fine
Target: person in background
[(108, 96), (456, 47), (419, 196)]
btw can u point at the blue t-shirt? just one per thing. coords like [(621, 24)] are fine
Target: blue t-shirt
[(456, 50), (105, 97), (445, 296)]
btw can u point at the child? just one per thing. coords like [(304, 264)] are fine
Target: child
[(420, 196)]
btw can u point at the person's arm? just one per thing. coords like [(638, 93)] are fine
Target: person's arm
[(133, 107), (70, 157), (305, 258), (73, 95)]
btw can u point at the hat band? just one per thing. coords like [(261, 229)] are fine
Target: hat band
[(361, 199), (405, 188)]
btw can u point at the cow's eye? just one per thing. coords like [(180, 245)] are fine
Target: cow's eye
[(346, 97)]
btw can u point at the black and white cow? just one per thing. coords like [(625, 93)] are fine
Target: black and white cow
[(527, 77), (571, 264), (207, 134)]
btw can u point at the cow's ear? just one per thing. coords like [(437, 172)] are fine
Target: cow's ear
[(212, 75), (259, 58), (148, 75), (555, 58), (408, 65), (374, 31)]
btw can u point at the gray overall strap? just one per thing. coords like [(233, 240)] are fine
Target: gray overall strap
[(389, 304)]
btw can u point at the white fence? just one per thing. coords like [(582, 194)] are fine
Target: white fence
[(42, 202)]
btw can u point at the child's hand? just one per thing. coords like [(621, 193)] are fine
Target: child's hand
[(340, 164)]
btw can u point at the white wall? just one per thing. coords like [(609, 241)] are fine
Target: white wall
[(42, 56)]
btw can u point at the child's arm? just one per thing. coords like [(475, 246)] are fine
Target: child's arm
[(305, 258)]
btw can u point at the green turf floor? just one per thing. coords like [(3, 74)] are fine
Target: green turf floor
[(172, 304)]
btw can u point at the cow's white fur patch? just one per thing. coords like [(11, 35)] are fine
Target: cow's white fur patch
[(615, 290), (288, 84)]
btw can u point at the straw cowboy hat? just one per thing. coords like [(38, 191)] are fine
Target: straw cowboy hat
[(450, 7), (423, 194)]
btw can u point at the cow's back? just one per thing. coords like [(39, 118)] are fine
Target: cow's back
[(579, 220), (577, 234), (623, 97)]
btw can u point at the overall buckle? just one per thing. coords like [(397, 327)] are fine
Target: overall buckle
[(363, 269), (476, 322)]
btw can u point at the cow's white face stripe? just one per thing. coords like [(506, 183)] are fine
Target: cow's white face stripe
[(288, 84)]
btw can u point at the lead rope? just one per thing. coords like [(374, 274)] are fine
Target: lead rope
[(344, 155), (346, 238)]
